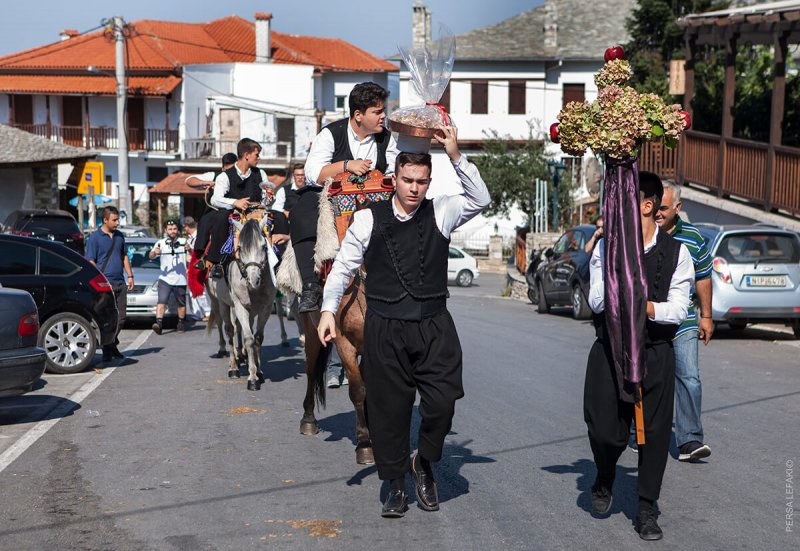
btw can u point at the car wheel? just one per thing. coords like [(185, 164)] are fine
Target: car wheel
[(580, 308), (737, 325), (796, 330), (533, 293), (464, 278), (69, 343), (544, 308)]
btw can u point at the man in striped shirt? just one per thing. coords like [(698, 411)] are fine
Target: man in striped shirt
[(688, 391)]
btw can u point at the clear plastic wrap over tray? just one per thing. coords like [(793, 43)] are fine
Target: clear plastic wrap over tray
[(430, 68)]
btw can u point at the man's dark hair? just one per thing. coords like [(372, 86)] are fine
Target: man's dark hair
[(189, 222), (245, 146), (298, 166), (650, 187), (596, 220), (366, 95), (421, 159), (229, 159), (108, 211)]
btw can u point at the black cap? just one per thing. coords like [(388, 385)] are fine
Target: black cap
[(229, 159), (650, 185)]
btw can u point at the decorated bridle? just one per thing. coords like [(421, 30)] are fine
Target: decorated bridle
[(265, 246)]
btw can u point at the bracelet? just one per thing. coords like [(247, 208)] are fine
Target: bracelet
[(705, 317), (130, 277), (345, 166)]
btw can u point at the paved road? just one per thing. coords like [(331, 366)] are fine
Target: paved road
[(160, 456)]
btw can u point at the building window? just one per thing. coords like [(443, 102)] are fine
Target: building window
[(573, 92), (156, 173), (516, 97), (340, 102), (480, 97)]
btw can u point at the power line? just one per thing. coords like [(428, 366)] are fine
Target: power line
[(36, 52)]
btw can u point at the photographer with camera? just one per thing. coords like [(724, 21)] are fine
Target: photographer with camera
[(172, 281)]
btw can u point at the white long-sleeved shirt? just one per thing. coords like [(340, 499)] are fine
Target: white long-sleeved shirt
[(674, 310), (279, 203), (321, 153), (450, 212), (222, 184)]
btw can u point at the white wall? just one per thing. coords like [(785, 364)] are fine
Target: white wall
[(16, 189), (102, 111), (341, 83), (200, 82), (283, 84)]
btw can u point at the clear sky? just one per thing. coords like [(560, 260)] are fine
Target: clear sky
[(377, 26)]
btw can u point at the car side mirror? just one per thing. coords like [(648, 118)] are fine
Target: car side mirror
[(548, 253)]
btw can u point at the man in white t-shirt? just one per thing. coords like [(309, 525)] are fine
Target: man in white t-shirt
[(172, 281)]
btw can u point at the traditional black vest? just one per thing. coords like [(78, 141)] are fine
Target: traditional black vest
[(341, 145), (406, 264), (248, 188), (291, 198), (660, 263)]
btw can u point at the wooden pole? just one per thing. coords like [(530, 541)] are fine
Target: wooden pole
[(92, 208), (776, 113), (727, 108), (690, 48), (160, 225)]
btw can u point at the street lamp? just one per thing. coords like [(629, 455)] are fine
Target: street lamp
[(555, 168)]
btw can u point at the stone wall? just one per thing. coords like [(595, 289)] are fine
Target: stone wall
[(45, 185)]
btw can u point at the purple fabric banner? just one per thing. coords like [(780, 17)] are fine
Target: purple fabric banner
[(624, 274)]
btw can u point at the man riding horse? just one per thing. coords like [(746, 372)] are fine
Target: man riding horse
[(356, 145)]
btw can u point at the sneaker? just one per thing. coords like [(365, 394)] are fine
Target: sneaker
[(647, 526), (601, 498), (344, 379), (156, 328), (302, 340), (333, 381), (692, 451), (181, 327)]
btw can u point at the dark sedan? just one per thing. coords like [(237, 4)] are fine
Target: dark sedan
[(561, 278), (76, 305), (21, 361)]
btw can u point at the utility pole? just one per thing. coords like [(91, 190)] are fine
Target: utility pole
[(125, 203)]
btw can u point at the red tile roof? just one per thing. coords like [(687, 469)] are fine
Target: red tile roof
[(94, 84), (167, 46), (176, 183)]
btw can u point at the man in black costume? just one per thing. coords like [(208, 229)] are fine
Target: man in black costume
[(606, 410), (357, 145), (410, 341)]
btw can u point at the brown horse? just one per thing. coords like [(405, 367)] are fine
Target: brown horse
[(350, 344)]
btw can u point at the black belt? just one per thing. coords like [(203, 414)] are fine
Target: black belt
[(408, 308)]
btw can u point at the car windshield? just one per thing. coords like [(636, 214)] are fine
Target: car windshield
[(138, 255), (759, 248), (50, 224)]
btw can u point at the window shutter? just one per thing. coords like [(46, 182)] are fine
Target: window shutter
[(516, 97), (573, 92), (480, 97)]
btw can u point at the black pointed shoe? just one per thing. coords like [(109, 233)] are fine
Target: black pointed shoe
[(647, 526), (427, 496), (310, 297), (601, 498), (395, 505)]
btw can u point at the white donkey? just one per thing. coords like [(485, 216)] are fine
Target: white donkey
[(253, 290)]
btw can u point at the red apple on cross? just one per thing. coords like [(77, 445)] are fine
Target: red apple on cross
[(554, 133), (687, 119), (614, 52)]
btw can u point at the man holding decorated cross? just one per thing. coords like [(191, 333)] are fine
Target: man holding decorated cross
[(608, 396)]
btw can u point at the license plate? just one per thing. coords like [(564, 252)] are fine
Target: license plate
[(766, 281)]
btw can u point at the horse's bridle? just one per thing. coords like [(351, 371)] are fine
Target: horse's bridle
[(260, 265)]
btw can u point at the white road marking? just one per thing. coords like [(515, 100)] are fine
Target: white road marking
[(66, 405)]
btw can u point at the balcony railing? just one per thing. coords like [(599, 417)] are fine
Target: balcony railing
[(200, 148), (105, 137)]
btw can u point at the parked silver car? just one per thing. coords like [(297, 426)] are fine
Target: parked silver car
[(21, 361), (142, 301), (756, 275)]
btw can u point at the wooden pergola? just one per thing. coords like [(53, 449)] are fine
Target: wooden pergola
[(764, 173)]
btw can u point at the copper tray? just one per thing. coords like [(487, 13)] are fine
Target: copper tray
[(416, 131)]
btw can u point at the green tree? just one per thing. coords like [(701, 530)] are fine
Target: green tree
[(510, 169)]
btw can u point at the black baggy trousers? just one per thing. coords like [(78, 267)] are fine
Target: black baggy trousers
[(609, 419), (400, 358)]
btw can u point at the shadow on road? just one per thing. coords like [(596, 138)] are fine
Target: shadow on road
[(626, 499), (281, 362), (751, 333), (35, 408)]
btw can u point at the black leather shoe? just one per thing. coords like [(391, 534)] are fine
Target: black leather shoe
[(310, 297), (216, 271), (116, 353), (647, 526), (107, 355), (427, 496), (601, 498), (395, 505), (156, 328)]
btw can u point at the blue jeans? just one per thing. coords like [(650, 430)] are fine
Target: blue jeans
[(688, 392)]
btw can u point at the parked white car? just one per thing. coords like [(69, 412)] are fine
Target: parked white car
[(462, 268)]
